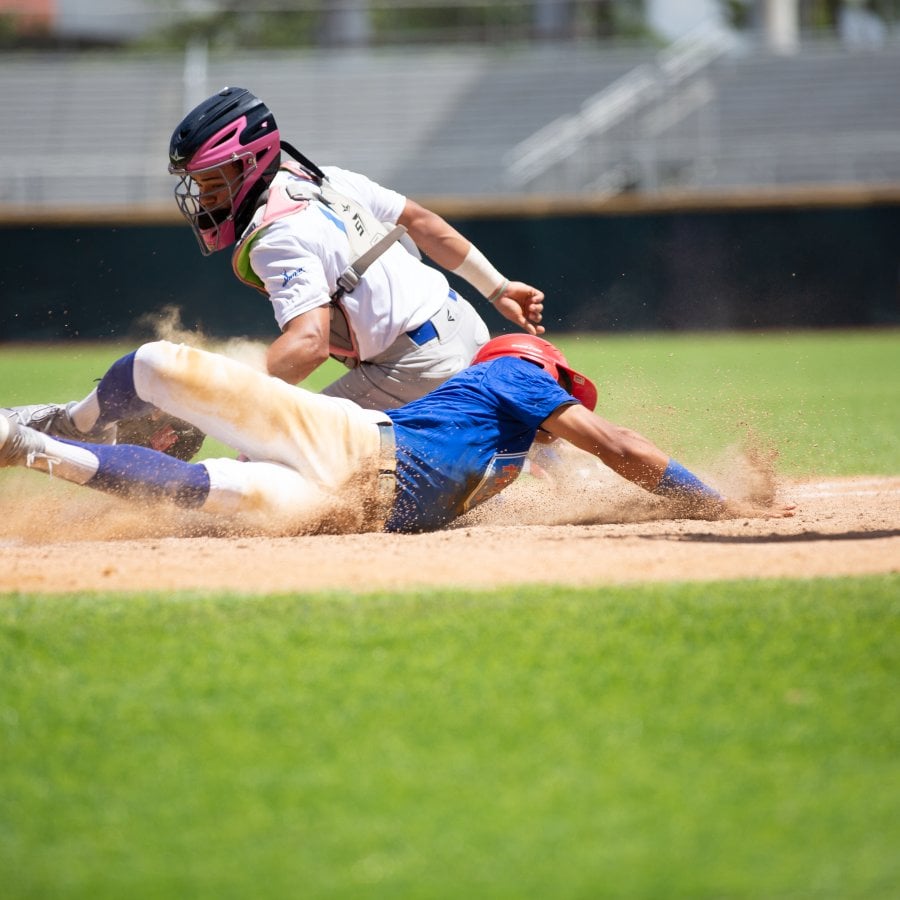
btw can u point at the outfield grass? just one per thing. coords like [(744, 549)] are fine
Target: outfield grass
[(829, 402), (731, 740)]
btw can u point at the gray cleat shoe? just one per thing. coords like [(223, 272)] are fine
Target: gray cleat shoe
[(54, 419), (19, 445)]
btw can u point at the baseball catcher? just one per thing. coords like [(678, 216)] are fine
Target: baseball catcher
[(338, 256)]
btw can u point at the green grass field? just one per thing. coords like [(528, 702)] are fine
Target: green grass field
[(828, 401), (730, 740), (722, 740)]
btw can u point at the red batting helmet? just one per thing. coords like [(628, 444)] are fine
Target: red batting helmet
[(542, 353)]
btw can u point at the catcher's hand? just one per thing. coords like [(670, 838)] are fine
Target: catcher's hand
[(160, 431)]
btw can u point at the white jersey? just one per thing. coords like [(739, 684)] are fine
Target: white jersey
[(300, 257)]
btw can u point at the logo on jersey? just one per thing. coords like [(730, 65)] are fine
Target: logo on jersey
[(358, 225), (288, 277), (503, 470)]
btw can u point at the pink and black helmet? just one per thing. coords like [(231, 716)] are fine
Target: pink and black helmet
[(225, 153)]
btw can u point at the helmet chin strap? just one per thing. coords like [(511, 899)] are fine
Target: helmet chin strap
[(307, 164)]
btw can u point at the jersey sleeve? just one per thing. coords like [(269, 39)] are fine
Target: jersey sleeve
[(386, 204), (292, 274)]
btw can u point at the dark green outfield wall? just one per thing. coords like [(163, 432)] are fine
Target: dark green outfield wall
[(684, 269)]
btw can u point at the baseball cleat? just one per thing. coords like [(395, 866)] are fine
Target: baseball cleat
[(19, 445), (54, 419)]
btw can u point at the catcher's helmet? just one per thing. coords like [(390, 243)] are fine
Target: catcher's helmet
[(225, 153), (542, 353)]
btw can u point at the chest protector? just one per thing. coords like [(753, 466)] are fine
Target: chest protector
[(368, 239)]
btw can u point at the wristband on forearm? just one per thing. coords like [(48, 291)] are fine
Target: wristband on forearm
[(478, 271), (679, 484)]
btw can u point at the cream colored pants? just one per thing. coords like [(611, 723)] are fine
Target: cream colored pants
[(309, 456)]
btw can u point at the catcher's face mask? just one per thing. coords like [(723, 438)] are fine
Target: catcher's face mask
[(224, 152), (207, 199)]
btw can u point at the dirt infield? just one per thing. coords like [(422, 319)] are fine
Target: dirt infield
[(594, 534)]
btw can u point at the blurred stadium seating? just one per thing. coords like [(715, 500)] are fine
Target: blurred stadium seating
[(707, 114)]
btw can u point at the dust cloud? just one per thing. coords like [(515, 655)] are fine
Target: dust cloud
[(574, 488), (166, 325)]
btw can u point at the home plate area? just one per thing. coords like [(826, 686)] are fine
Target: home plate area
[(590, 534)]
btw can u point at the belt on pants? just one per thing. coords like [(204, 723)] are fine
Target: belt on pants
[(386, 486), (426, 331)]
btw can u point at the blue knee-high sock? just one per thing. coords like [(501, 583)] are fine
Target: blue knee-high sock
[(132, 471), (116, 394)]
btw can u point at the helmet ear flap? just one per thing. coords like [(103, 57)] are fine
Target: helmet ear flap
[(564, 379)]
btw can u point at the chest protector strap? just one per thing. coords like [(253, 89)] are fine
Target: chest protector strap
[(368, 239)]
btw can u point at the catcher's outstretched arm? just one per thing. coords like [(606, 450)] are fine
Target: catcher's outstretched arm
[(521, 303)]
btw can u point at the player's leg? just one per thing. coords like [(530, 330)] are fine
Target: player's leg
[(272, 498), (122, 469), (262, 496), (415, 365), (264, 418)]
